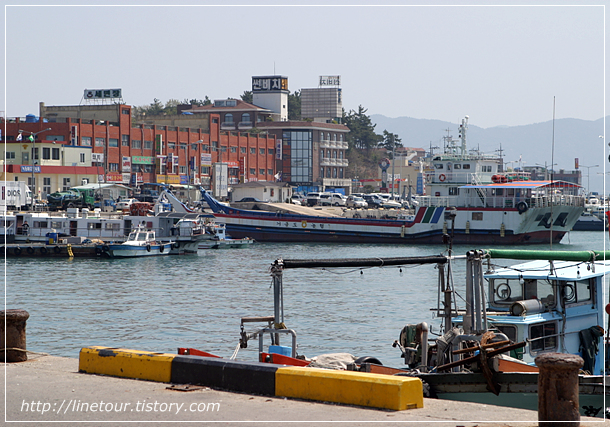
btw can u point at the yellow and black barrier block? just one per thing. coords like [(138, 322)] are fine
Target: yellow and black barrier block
[(352, 388), (119, 362), (245, 377)]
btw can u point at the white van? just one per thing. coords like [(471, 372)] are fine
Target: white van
[(332, 199)]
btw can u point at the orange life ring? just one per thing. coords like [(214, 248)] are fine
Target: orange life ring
[(442, 177)]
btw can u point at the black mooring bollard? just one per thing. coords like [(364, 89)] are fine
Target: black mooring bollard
[(558, 389), (14, 334)]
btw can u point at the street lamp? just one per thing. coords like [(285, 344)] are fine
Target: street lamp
[(32, 138), (588, 174)]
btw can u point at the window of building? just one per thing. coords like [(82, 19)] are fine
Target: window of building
[(261, 151), (270, 151), (32, 183), (334, 154), (205, 170), (124, 111), (252, 171), (46, 186), (252, 150), (261, 171), (182, 146), (215, 120), (113, 142), (100, 142), (341, 137), (328, 172), (269, 171), (55, 153), (171, 145), (228, 118), (175, 167), (233, 149), (205, 147), (46, 153), (182, 170), (340, 154), (334, 172), (35, 153), (136, 143), (149, 168), (125, 140), (85, 140), (214, 145), (113, 167), (194, 147), (242, 150), (334, 136), (10, 155), (328, 153), (322, 154), (82, 157), (245, 118), (340, 172), (322, 172), (148, 145), (67, 185)]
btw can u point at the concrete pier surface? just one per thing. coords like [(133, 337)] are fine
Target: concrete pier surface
[(50, 389)]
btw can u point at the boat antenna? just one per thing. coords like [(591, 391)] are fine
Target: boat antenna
[(552, 162)]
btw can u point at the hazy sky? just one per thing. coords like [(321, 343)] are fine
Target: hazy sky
[(501, 65)]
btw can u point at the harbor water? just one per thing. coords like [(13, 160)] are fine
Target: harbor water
[(162, 303)]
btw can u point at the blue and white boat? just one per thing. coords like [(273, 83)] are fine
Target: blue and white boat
[(140, 242)]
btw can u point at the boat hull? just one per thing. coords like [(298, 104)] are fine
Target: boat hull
[(226, 244), (517, 390), (128, 251)]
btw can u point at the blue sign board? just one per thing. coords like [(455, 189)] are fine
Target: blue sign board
[(420, 184), (28, 169), (184, 179)]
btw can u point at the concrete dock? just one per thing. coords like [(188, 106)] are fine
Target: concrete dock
[(47, 388)]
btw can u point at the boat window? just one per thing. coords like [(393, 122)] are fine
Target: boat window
[(509, 330), (577, 292), (141, 237), (438, 165), (94, 225), (132, 236), (506, 291), (458, 166), (41, 224), (543, 337), (466, 166)]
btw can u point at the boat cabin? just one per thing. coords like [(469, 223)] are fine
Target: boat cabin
[(555, 306)]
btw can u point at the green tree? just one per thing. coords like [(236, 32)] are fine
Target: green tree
[(294, 105), (247, 96), (361, 134), (390, 141)]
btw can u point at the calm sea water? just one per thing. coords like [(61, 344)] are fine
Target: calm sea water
[(162, 303)]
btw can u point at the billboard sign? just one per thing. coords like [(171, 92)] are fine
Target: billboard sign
[(102, 93)]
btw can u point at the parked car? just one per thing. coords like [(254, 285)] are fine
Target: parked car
[(298, 199), (354, 201), (313, 198), (373, 200), (125, 204), (391, 204), (332, 199)]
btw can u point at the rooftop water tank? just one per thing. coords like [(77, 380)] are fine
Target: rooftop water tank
[(31, 118)]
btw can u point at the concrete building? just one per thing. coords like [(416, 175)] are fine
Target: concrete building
[(98, 143)]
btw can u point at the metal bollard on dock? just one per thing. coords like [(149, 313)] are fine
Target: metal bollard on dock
[(558, 389), (15, 321)]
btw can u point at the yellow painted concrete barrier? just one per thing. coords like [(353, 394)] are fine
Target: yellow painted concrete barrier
[(118, 362), (352, 388)]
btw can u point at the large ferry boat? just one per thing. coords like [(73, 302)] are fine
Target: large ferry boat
[(471, 198)]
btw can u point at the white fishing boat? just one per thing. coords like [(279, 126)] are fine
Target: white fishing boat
[(140, 242), (484, 204), (221, 240)]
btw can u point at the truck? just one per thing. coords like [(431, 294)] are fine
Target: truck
[(73, 198), (15, 195)]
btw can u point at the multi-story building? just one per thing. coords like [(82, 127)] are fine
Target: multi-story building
[(99, 143)]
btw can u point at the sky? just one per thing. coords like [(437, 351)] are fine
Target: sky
[(501, 65)]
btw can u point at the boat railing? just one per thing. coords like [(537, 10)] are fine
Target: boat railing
[(474, 200)]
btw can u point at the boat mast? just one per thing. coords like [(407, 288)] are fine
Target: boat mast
[(552, 162)]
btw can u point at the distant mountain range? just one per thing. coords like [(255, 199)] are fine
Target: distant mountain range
[(533, 143)]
